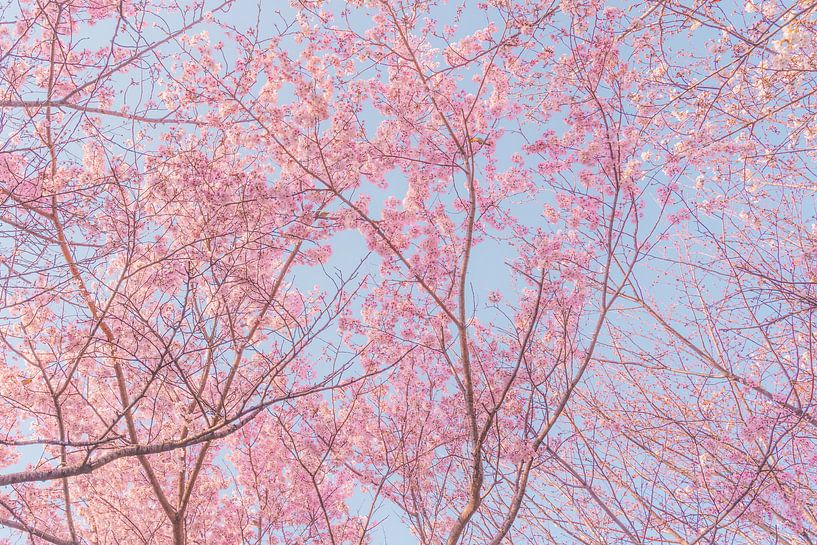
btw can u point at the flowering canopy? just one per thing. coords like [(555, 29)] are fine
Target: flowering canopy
[(507, 272)]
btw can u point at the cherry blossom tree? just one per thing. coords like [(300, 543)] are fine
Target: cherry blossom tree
[(495, 272)]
